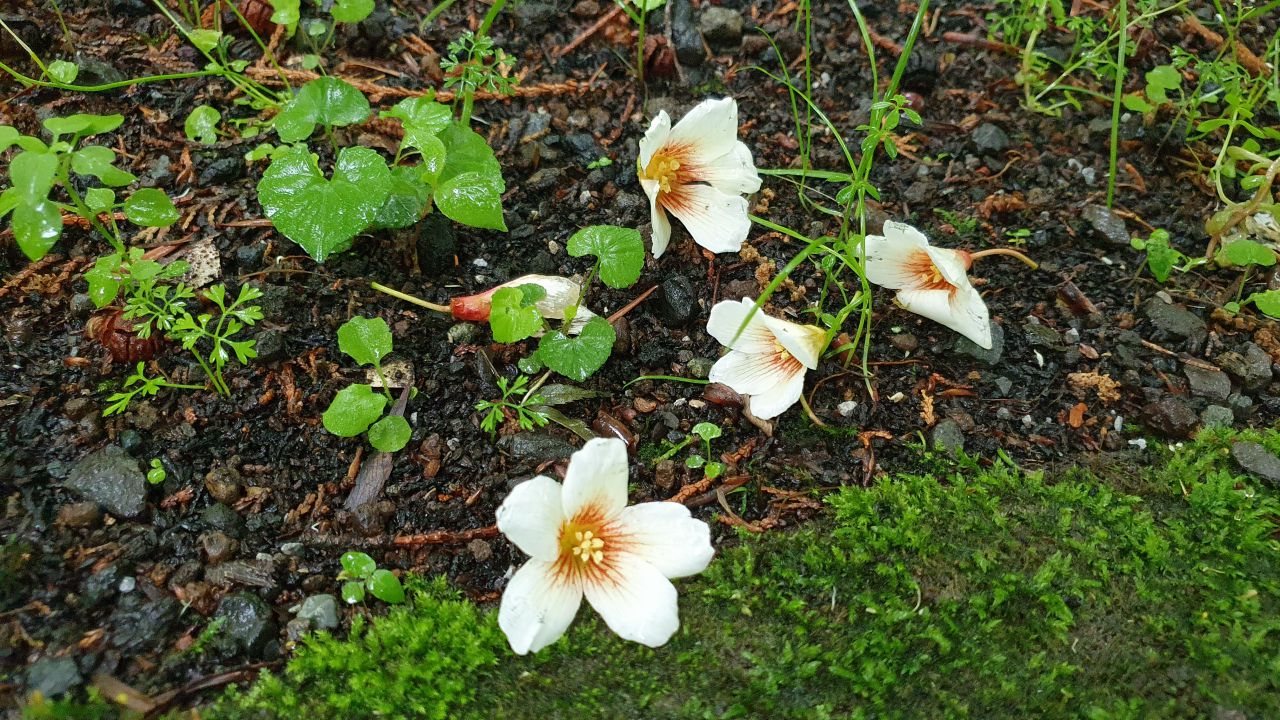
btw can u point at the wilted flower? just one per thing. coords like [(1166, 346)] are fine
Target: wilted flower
[(561, 293), (698, 171), (767, 360), (584, 540)]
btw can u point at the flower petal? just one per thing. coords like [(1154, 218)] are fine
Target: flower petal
[(710, 129), (659, 224), (889, 256), (537, 607), (636, 601), (953, 264), (733, 173), (596, 481), (778, 398), (666, 536), (962, 311), (716, 220), (751, 373), (726, 320), (531, 516), (804, 342), (654, 138)]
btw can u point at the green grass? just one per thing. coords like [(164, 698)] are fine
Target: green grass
[(1119, 592)]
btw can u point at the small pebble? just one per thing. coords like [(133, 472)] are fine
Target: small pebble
[(846, 408)]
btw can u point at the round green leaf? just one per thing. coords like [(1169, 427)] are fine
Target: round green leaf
[(150, 207), (205, 40), (473, 199), (287, 13), (357, 564), (390, 434), (421, 118), (620, 250), (578, 358), (100, 200), (8, 137), (386, 587), (323, 101), (63, 72), (32, 175), (98, 161), (202, 125), (351, 11), (1243, 251), (323, 215), (82, 125), (366, 340), (353, 410), (1267, 301), (36, 227), (352, 592)]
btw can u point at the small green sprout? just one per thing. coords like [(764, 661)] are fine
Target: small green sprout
[(362, 574), (156, 473), (357, 408), (527, 417)]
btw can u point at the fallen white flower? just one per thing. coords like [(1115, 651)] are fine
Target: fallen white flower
[(584, 540), (768, 360), (698, 171)]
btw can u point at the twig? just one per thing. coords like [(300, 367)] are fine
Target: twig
[(586, 35)]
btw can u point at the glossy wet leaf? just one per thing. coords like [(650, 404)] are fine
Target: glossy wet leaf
[(83, 125), (353, 410), (99, 200), (422, 120), (577, 358), (385, 586), (98, 161), (63, 71), (202, 125), (357, 564), (205, 40), (409, 200), (390, 434), (352, 592), (366, 340), (1267, 302), (36, 221), (473, 199), (323, 101), (351, 11), (467, 152), (510, 319), (287, 13), (150, 207), (1244, 252), (620, 251), (36, 227)]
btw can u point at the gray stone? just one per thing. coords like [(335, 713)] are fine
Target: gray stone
[(52, 677), (1108, 227), (254, 573), (270, 346), (140, 623), (1257, 460), (461, 333), (947, 435), (700, 367), (989, 137), (965, 346), (1043, 336), (1251, 365), (846, 408), (1173, 320), (297, 628), (247, 621), (222, 171), (1217, 415), (1207, 382), (721, 26), (224, 483), (1241, 405), (222, 518), (677, 301), (112, 479), (535, 447), (1171, 417), (321, 611), (130, 441)]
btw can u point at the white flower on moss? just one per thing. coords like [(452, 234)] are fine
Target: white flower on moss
[(584, 540), (698, 171), (767, 360), (931, 282)]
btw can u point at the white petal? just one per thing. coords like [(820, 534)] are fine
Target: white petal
[(750, 373), (658, 221), (561, 293), (537, 607), (901, 232), (666, 536), (636, 601), (531, 517), (965, 312), (804, 342), (733, 173), (726, 320), (710, 128), (596, 481), (889, 257), (777, 399), (717, 221), (953, 264), (655, 137)]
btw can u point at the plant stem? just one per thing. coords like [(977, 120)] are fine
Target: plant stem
[(411, 299), (1004, 251), (64, 177), (1115, 101)]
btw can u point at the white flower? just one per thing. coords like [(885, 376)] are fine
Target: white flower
[(698, 170), (768, 360), (561, 293), (932, 282), (584, 540)]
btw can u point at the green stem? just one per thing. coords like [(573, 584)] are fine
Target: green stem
[(411, 299), (1115, 102), (64, 177)]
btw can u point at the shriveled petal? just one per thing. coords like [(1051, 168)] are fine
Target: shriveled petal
[(710, 129), (733, 173), (953, 264), (596, 481), (716, 220), (964, 311), (537, 607), (752, 373), (561, 293), (666, 536), (654, 138), (804, 342), (778, 398), (635, 599), (726, 320), (531, 517), (658, 221), (890, 256)]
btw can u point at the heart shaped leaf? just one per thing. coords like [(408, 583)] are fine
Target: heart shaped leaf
[(202, 125), (366, 340), (409, 200), (150, 207), (577, 358), (99, 162), (351, 11), (390, 434), (323, 101), (510, 318), (473, 199), (353, 410), (421, 118), (620, 250)]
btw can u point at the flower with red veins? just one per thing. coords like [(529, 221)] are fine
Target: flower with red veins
[(698, 171), (767, 358), (584, 541), (561, 292)]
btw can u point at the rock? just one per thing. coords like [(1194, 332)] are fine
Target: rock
[(1207, 382), (1173, 320), (130, 441), (1217, 415), (947, 435), (296, 629), (218, 546), (79, 515), (721, 26), (321, 611), (82, 306), (249, 257), (677, 302), (112, 479), (254, 573), (140, 623), (664, 475), (685, 36), (722, 395), (700, 367), (77, 408), (370, 518), (222, 171), (52, 677), (965, 346), (461, 333), (247, 621), (222, 518), (535, 17), (1043, 336), (535, 447), (1241, 405), (224, 483), (583, 145), (480, 549), (846, 408), (906, 342), (1171, 417), (270, 346), (989, 138), (1108, 227), (1257, 460), (1251, 365)]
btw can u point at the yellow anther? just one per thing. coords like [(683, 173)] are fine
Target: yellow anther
[(588, 547), (665, 169)]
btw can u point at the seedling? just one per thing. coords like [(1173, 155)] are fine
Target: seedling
[(156, 473), (145, 386), (357, 408), (362, 574), (1162, 259), (528, 416), (704, 432), (474, 64)]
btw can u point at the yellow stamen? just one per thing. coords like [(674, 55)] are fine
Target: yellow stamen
[(665, 169), (583, 545)]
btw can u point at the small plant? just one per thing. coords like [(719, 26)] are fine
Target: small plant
[(528, 416), (965, 227), (357, 408), (156, 473), (1162, 259), (363, 575), (474, 63), (704, 432), (142, 385)]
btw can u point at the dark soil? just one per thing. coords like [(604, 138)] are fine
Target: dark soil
[(252, 509)]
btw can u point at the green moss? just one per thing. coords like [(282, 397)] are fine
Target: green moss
[(968, 593)]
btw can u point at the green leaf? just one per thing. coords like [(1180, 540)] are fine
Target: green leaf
[(357, 565), (104, 280), (409, 200), (150, 207), (8, 137), (351, 11), (1136, 103), (695, 461), (578, 358), (352, 592), (100, 200), (386, 587), (353, 410), (707, 431), (202, 125), (287, 13), (324, 215), (366, 340), (98, 161), (467, 152), (620, 250), (1243, 251), (323, 101), (433, 158), (561, 394), (473, 199), (204, 40), (32, 175), (510, 319), (390, 434), (83, 125), (422, 120), (36, 227), (62, 71), (1268, 302)]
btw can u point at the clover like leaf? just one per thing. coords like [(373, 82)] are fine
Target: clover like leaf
[(390, 434), (510, 319), (366, 340), (386, 587), (578, 358), (202, 125), (351, 11), (1244, 252), (353, 410), (323, 215), (422, 120), (62, 71), (1160, 80), (357, 565), (83, 125), (150, 207), (409, 199), (620, 250), (98, 161), (323, 101)]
